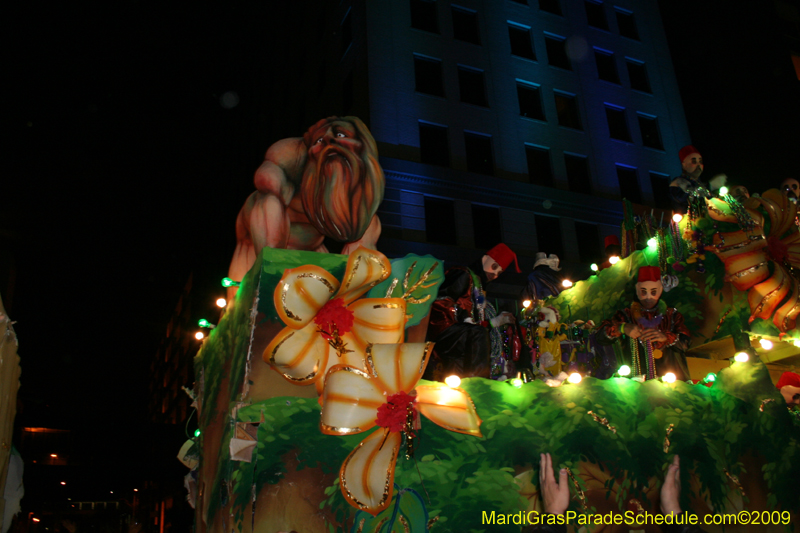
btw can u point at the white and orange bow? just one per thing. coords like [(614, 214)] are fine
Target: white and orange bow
[(327, 323), (356, 400)]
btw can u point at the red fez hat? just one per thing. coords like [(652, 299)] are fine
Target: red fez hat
[(611, 240), (649, 273), (687, 151), (788, 378), (503, 255)]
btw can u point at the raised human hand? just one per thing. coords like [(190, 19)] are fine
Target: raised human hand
[(555, 494), (671, 489)]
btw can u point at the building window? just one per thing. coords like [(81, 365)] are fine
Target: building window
[(596, 15), (428, 76), (486, 226), (433, 146), (651, 137), (347, 32), (578, 178), (523, 2), (530, 101), (567, 108), (627, 24), (629, 184), (465, 26), (638, 75), (660, 185), (617, 124), (540, 171), (440, 218), (521, 44), (606, 66), (472, 86), (479, 153), (424, 16), (588, 242), (548, 235), (551, 6), (557, 52)]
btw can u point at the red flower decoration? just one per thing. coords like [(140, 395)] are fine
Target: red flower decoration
[(394, 413), (334, 319)]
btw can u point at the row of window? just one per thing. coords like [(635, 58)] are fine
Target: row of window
[(434, 150), (465, 22), (487, 230), (428, 76)]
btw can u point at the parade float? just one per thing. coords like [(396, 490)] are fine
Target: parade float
[(313, 414)]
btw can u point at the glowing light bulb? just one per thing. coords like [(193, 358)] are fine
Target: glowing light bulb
[(53, 455), (203, 323), (574, 378), (222, 302), (196, 432), (35, 519), (711, 377), (669, 377), (566, 283), (614, 259), (228, 282), (452, 381), (741, 357), (723, 191), (199, 335), (526, 304), (796, 342), (677, 217), (766, 344), (624, 370), (135, 490), (516, 382), (594, 267), (63, 482)]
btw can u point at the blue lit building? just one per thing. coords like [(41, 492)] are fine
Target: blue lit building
[(521, 121)]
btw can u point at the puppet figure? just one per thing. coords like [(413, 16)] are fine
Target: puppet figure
[(688, 183), (658, 338), (549, 334), (789, 387), (463, 324)]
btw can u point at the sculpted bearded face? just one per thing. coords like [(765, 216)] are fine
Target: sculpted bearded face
[(649, 293), (342, 183), (790, 188)]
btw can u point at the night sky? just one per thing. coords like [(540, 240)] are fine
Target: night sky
[(125, 169)]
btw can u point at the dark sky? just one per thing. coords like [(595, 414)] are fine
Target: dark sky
[(125, 173)]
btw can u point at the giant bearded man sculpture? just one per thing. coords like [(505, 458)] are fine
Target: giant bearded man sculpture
[(326, 184)]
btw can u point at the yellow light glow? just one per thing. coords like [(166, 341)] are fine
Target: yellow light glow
[(36, 520), (766, 344), (222, 302), (741, 357), (613, 259), (63, 482), (796, 342), (516, 382), (566, 283), (135, 490), (669, 377), (199, 335), (452, 381), (624, 370), (677, 217), (526, 304), (54, 455), (575, 378)]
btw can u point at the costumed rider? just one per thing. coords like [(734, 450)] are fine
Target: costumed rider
[(789, 387), (654, 330), (463, 324), (688, 184), (544, 281)]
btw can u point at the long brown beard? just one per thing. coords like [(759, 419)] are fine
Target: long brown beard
[(341, 193)]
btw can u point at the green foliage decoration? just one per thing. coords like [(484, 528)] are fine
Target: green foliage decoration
[(416, 279)]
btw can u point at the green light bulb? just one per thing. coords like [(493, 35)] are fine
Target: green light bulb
[(203, 323), (196, 433), (723, 191), (711, 377), (652, 242), (516, 382), (594, 267), (227, 282), (624, 370)]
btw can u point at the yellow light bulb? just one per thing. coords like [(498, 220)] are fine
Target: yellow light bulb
[(452, 381), (222, 302), (669, 377), (199, 335), (613, 259), (575, 378)]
